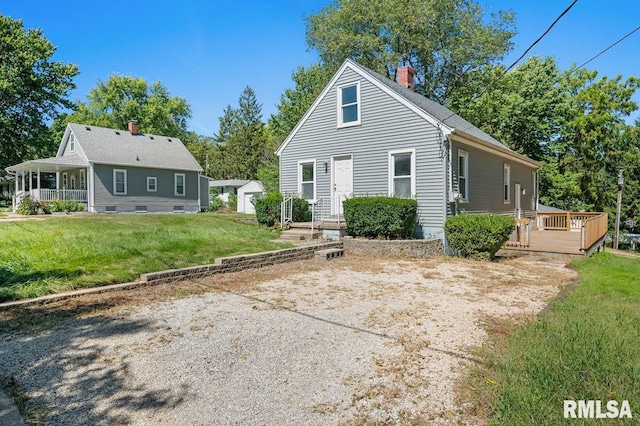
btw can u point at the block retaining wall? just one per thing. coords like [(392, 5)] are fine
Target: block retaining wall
[(238, 263), (404, 248)]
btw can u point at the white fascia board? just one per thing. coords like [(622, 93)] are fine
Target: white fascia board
[(467, 139)]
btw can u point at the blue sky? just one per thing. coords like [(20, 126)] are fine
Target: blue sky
[(208, 51)]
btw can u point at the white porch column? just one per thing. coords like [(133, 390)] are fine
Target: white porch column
[(38, 183), (24, 188), (16, 176), (30, 181)]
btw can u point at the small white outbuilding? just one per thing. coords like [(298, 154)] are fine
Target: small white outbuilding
[(247, 194)]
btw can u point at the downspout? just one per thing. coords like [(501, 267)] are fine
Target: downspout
[(199, 194)]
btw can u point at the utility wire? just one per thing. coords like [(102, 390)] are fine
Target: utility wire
[(517, 60), (637, 28)]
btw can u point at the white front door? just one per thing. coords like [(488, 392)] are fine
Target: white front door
[(342, 181), (517, 195)]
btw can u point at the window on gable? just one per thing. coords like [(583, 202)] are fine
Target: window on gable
[(349, 105), (306, 180), (402, 175), (152, 184), (119, 181), (463, 175), (506, 178), (72, 143), (179, 184)]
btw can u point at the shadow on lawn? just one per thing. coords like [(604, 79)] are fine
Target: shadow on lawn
[(73, 377)]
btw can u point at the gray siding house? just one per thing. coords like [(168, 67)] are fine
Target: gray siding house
[(368, 135), (112, 171)]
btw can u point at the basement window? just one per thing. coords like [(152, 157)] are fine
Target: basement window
[(111, 209), (178, 209), (141, 209)]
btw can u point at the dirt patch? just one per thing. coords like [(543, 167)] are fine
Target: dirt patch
[(354, 340)]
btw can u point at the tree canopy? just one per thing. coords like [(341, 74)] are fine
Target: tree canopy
[(33, 90), (122, 98), (446, 42)]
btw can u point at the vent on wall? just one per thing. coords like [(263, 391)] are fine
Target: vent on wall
[(141, 209), (178, 208), (111, 209)]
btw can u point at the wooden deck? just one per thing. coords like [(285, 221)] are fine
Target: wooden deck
[(556, 242)]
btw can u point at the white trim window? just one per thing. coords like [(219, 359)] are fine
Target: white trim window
[(119, 182), (463, 175), (349, 105), (179, 184), (506, 183), (307, 180), (65, 180), (83, 179), (152, 184), (72, 143), (402, 173), (73, 181)]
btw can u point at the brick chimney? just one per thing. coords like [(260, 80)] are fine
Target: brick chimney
[(404, 77), (133, 126)]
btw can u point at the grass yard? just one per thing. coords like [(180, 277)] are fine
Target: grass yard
[(64, 253), (585, 347)]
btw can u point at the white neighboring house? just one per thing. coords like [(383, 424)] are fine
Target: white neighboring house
[(250, 191), (227, 186)]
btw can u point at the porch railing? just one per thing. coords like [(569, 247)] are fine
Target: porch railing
[(286, 211), (593, 229), (565, 221), (60, 194)]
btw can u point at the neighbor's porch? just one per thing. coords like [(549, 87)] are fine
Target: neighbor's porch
[(569, 233), (50, 179)]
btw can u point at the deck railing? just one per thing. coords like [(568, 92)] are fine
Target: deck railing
[(565, 221), (593, 229)]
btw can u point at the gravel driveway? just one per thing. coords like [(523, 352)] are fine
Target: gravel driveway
[(353, 340)]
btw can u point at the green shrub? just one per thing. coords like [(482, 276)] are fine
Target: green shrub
[(478, 236), (215, 204), (64, 206), (233, 202), (268, 209), (381, 217), (28, 206)]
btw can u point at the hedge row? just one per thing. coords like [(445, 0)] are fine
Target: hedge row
[(478, 236), (381, 217)]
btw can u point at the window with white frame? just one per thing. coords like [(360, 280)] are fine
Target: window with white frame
[(119, 181), (65, 180), (73, 181), (179, 184), (307, 179), (152, 184), (463, 174), (349, 105), (506, 179), (83, 179), (72, 143), (402, 173)]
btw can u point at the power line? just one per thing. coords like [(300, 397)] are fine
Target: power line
[(517, 60), (637, 28)]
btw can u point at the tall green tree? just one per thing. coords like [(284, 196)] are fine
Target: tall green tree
[(447, 42), (33, 90), (241, 143), (114, 102)]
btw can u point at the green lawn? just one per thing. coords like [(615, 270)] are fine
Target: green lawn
[(63, 253), (587, 347)]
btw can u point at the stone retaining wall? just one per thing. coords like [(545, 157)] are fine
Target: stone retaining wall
[(404, 248), (238, 263)]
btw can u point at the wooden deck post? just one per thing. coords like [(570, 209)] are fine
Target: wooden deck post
[(568, 221)]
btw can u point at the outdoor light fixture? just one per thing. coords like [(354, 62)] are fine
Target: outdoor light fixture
[(326, 167)]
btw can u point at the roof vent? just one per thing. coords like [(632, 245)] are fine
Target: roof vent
[(151, 137), (117, 132), (169, 139), (88, 128), (137, 158)]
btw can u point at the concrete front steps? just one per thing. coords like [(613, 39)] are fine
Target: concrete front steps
[(299, 234), (328, 254)]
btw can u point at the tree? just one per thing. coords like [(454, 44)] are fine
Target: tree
[(33, 90), (447, 42), (122, 98), (526, 109), (241, 143)]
